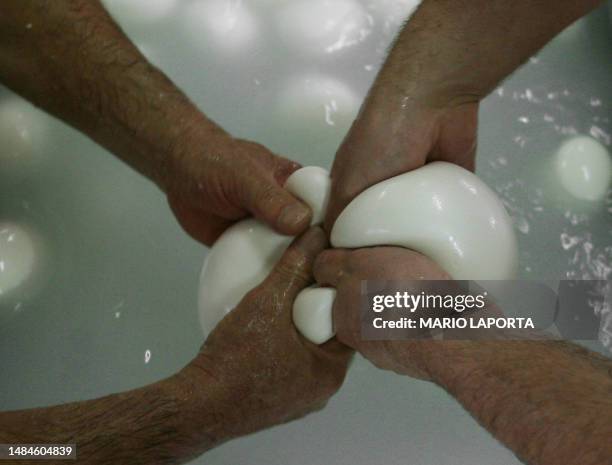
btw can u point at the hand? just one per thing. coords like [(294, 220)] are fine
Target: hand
[(270, 373), (345, 270), (383, 143), (220, 180)]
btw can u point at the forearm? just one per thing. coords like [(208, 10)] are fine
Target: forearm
[(423, 105), (170, 421), (548, 401), (453, 50), (69, 57)]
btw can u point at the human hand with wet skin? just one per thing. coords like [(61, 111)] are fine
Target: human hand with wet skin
[(547, 400), (77, 64), (345, 270), (220, 180), (253, 371), (270, 373), (392, 136), (423, 105)]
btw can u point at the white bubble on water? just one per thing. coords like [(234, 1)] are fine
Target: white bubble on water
[(323, 26), (226, 25)]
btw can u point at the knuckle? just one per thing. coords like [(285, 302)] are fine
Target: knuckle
[(269, 194)]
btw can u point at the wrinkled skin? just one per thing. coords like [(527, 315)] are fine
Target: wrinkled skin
[(345, 270), (272, 373), (375, 150), (228, 180)]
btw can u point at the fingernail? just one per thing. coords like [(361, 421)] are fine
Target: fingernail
[(294, 215)]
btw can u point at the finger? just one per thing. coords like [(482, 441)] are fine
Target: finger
[(293, 272), (339, 198), (284, 168), (202, 226), (275, 206), (347, 324), (338, 349), (331, 266)]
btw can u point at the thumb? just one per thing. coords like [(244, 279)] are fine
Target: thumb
[(293, 272), (275, 206)]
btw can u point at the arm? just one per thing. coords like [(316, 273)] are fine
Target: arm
[(548, 401), (162, 423), (423, 105), (253, 371), (72, 60)]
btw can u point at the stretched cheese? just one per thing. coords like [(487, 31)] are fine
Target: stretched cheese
[(440, 210)]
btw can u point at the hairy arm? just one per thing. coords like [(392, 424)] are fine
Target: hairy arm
[(254, 371), (71, 59), (454, 50), (423, 105), (548, 401), (168, 422)]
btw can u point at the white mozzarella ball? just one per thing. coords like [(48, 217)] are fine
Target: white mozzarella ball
[(247, 251), (238, 261), (313, 185), (312, 313), (584, 168), (227, 25), (461, 224)]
